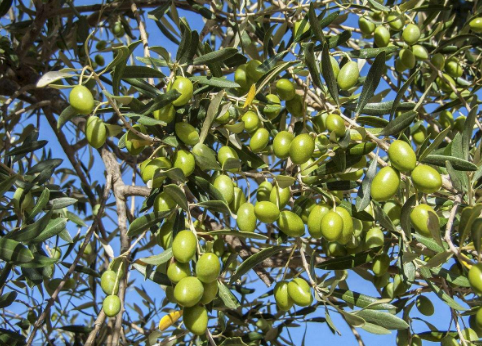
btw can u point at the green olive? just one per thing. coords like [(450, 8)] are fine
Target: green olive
[(164, 202), (246, 218), (385, 184), (354, 175), (348, 75), (280, 197), (444, 83), (399, 66), (184, 160), (335, 123), (380, 265), (189, 291), (118, 29), (400, 285), (225, 186), (241, 77), (196, 319), (186, 133), (460, 123), (419, 135), (347, 232), (401, 155), (407, 58), (307, 171), (476, 25), (374, 238), (263, 192), (438, 60), (421, 216), (81, 99), (266, 212), (411, 34), (111, 305), (108, 282), (178, 271), (453, 68), (252, 72), (424, 306), (331, 226), (210, 292), (416, 341), (149, 168), (300, 292), (184, 246), (295, 106), (301, 148), (314, 220), (475, 278), (446, 119), (225, 153), (259, 140), (478, 318), (449, 341), (286, 89), (426, 179), (223, 118), (420, 52), (291, 224), (367, 27), (95, 132), (382, 36), (470, 334), (281, 144), (273, 108), (395, 21), (164, 237), (393, 209), (99, 59), (334, 66), (101, 45), (135, 144), (238, 199), (185, 88), (208, 268), (334, 249), (281, 296), (251, 121)]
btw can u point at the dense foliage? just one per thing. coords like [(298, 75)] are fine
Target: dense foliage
[(305, 145)]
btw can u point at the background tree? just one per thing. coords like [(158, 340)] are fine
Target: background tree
[(229, 172)]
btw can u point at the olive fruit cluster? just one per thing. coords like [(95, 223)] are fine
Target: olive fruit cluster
[(109, 282), (192, 292), (296, 291)]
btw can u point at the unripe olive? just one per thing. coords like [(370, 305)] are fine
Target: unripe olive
[(134, 143), (99, 59), (208, 268), (348, 75), (273, 108), (444, 83), (281, 296), (478, 318), (424, 306), (266, 212), (382, 36), (263, 192), (184, 246), (334, 66), (241, 77), (400, 285), (416, 341), (395, 21), (238, 200), (460, 123), (420, 217), (291, 224), (446, 118), (81, 99), (426, 179), (111, 305), (246, 218), (218, 247), (225, 153), (251, 121), (387, 291), (411, 34), (223, 118), (185, 88), (280, 197), (449, 341), (101, 45), (196, 319), (475, 278), (281, 144), (401, 155), (164, 237), (453, 68), (184, 160), (306, 171), (108, 282), (295, 106), (301, 148), (95, 132), (420, 52), (166, 114), (331, 226), (210, 292), (438, 60), (470, 334), (374, 238), (189, 291), (225, 186), (476, 25), (419, 135), (178, 271), (393, 209), (380, 265), (286, 89), (149, 168), (300, 292), (382, 280), (252, 72), (385, 184), (347, 232), (367, 27), (118, 29), (259, 140), (314, 220), (407, 58), (164, 202), (335, 123), (186, 133)]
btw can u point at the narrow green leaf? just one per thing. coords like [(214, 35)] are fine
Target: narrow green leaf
[(429, 243), (383, 319), (458, 164), (153, 275), (315, 24), (254, 260), (53, 76), (214, 81), (238, 234), (381, 108), (364, 193), (215, 206), (312, 64), (375, 329), (371, 82), (141, 72), (62, 202), (12, 250), (7, 299), (445, 297), (435, 144), (369, 53), (347, 262), (375, 4), (67, 114), (7, 184), (467, 133), (27, 148), (177, 195), (361, 300), (401, 92), (399, 124), (158, 259), (145, 222), (211, 115), (216, 56), (328, 73)]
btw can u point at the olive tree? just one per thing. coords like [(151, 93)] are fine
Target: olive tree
[(225, 172)]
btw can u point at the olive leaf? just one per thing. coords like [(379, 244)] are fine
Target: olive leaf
[(372, 81)]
